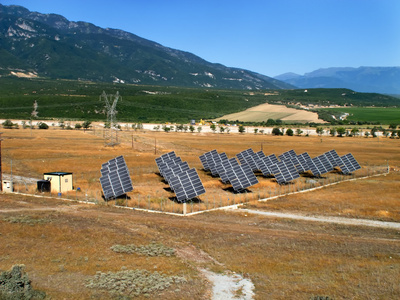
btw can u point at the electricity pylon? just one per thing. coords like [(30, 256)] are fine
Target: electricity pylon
[(111, 135)]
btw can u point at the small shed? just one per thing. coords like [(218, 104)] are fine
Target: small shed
[(60, 181), (7, 186)]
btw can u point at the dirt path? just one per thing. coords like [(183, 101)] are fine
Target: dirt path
[(326, 219)]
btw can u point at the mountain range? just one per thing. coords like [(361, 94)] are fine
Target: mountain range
[(384, 80), (51, 46)]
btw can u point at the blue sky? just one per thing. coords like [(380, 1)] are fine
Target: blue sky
[(270, 37)]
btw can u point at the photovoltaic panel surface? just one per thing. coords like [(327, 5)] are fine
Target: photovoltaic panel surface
[(304, 160), (215, 161), (187, 185), (287, 154), (115, 180), (297, 163), (175, 169), (206, 157), (241, 177), (165, 156), (320, 165), (348, 163), (285, 171), (264, 164), (248, 157), (243, 154), (167, 163), (260, 154), (225, 166), (333, 157)]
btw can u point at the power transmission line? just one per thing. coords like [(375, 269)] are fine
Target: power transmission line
[(111, 104)]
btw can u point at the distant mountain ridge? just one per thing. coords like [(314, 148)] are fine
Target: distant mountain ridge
[(384, 80), (52, 46)]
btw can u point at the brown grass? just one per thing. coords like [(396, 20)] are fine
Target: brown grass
[(267, 111), (34, 153), (283, 258)]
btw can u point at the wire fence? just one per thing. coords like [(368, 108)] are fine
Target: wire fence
[(213, 199)]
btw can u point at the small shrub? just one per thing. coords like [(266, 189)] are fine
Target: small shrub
[(42, 125), (8, 124), (86, 124), (289, 132), (25, 220), (15, 284), (132, 283), (152, 249)]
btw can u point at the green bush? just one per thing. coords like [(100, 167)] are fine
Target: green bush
[(8, 124), (15, 284), (42, 125), (276, 131), (289, 132)]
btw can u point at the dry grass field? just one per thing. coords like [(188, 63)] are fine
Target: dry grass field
[(64, 243), (270, 111)]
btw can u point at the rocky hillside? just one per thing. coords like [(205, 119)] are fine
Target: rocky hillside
[(51, 46)]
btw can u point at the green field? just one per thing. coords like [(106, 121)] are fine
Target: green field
[(383, 115), (79, 100)]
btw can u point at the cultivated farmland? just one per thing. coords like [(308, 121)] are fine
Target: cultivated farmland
[(266, 111), (63, 244)]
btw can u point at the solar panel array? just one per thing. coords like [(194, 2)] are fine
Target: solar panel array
[(241, 176), (288, 167), (182, 179), (115, 179), (185, 181)]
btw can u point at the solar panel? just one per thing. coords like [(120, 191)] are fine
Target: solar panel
[(248, 157), (243, 154), (320, 165), (348, 163), (215, 161), (265, 163), (296, 162), (287, 154), (241, 177), (333, 158), (187, 185), (206, 157), (175, 169), (165, 156), (304, 160), (166, 164), (284, 171), (115, 179), (260, 154), (225, 166)]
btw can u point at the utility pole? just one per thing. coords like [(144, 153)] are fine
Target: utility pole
[(111, 113)]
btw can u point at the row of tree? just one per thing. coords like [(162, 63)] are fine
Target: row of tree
[(8, 124)]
